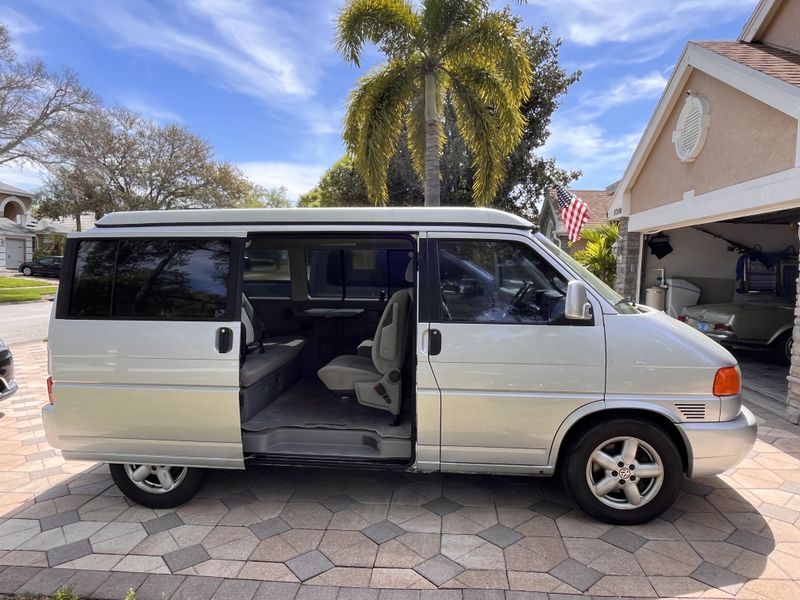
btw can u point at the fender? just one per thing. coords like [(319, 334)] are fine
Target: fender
[(780, 332)]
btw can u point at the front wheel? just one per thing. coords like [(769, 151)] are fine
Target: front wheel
[(27, 271), (624, 471), (157, 486)]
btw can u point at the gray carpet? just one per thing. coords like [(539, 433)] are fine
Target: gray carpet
[(309, 404)]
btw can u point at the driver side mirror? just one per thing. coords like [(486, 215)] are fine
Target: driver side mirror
[(577, 306)]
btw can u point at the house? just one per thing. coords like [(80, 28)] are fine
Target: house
[(719, 162), (551, 225), (17, 241)]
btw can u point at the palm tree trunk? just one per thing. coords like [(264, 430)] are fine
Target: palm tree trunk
[(431, 142)]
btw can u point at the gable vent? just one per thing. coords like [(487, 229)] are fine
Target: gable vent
[(692, 412), (692, 128)]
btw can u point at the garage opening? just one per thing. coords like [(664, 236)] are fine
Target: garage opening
[(734, 280)]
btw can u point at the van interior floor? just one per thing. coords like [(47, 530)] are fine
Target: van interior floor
[(309, 420)]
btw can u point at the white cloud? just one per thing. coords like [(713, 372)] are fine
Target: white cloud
[(624, 91), (26, 177), (260, 50), (150, 109), (298, 178), (591, 23), (600, 155)]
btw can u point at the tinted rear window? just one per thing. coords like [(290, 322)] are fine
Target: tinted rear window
[(151, 279)]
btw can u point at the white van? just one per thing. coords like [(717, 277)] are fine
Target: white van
[(453, 340)]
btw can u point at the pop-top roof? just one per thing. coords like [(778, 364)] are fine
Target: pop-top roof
[(473, 217)]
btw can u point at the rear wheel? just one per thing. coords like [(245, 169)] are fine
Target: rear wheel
[(157, 486), (782, 348), (624, 471), (27, 271)]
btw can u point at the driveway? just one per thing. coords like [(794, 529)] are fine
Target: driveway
[(24, 322), (283, 533)]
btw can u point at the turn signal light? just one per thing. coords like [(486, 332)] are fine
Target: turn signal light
[(727, 382), (50, 390)]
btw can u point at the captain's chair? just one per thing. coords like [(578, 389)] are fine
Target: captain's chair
[(375, 379)]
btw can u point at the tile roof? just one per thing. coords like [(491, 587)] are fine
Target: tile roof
[(9, 227), (598, 202), (781, 64), (13, 191)]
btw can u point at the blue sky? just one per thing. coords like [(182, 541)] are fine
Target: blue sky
[(261, 81)]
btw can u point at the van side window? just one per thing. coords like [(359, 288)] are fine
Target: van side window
[(498, 282), (91, 286), (266, 272), (154, 279), (356, 273)]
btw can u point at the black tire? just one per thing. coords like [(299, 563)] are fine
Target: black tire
[(27, 271), (181, 493), (782, 348), (577, 471)]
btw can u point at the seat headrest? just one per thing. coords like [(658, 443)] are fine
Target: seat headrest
[(410, 269)]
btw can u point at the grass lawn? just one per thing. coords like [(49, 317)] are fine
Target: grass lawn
[(21, 282), (25, 295)]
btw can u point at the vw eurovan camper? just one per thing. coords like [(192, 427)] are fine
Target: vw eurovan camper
[(452, 340)]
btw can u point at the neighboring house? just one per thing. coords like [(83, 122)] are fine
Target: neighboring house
[(552, 226), (16, 239), (721, 152)]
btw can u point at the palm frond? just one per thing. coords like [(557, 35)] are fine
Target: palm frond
[(392, 24), (493, 37), (598, 253), (441, 16), (374, 121), (478, 125)]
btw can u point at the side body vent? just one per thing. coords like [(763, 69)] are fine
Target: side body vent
[(692, 411)]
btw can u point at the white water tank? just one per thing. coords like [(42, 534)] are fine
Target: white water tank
[(654, 297), (680, 294)]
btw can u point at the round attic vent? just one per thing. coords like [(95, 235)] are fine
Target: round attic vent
[(692, 128)]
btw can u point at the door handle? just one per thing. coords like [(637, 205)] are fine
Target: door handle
[(224, 340), (435, 343)]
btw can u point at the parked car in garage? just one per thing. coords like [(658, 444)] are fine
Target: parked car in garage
[(8, 384), (766, 325), (46, 266)]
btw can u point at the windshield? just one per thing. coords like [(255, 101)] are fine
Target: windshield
[(622, 305)]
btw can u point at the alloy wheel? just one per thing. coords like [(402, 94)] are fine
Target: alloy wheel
[(624, 473), (156, 479)]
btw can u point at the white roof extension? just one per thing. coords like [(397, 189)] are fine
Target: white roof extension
[(759, 20), (486, 217), (772, 91)]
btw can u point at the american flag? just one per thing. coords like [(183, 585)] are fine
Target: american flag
[(574, 212)]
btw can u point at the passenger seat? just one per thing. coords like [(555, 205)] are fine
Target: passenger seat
[(376, 379)]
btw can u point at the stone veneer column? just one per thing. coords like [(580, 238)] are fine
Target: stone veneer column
[(627, 250), (793, 398)]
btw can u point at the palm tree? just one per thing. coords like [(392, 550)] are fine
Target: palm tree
[(454, 48), (598, 253)]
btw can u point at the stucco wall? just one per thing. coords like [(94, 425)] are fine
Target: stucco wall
[(746, 139), (784, 29)]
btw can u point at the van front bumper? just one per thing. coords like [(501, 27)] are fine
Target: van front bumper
[(49, 424), (713, 448)]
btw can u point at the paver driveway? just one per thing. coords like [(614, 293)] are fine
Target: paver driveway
[(260, 533)]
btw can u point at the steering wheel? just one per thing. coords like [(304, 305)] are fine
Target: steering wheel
[(515, 306)]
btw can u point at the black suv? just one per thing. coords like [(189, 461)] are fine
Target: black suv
[(7, 383)]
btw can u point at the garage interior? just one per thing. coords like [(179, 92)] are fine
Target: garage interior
[(746, 260)]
